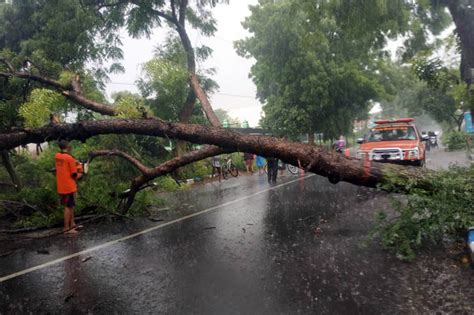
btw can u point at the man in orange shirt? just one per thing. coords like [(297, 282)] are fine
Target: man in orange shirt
[(67, 174)]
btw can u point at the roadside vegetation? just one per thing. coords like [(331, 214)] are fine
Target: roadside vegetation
[(429, 218)]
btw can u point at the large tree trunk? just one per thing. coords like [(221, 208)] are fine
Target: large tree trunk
[(11, 170), (315, 159), (462, 12)]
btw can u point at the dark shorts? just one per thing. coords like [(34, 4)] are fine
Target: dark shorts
[(67, 200)]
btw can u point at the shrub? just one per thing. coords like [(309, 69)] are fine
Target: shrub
[(197, 169), (455, 140), (167, 183), (429, 216), (238, 160)]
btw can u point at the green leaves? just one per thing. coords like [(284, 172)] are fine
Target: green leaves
[(131, 106), (36, 112), (429, 217), (311, 76)]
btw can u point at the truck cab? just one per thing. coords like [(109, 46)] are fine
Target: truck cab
[(393, 141)]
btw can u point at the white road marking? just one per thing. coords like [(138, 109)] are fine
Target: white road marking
[(107, 244)]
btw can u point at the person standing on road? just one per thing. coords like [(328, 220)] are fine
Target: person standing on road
[(341, 144), (281, 167), (248, 157), (216, 167), (272, 171), (67, 173), (260, 161)]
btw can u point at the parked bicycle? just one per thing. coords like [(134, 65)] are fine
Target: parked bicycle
[(228, 168)]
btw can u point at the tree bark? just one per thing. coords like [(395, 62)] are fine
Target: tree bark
[(462, 12), (316, 159), (11, 170), (191, 60)]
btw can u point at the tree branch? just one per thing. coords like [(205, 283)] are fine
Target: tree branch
[(150, 173), (74, 93), (182, 12), (323, 162), (135, 162), (8, 64), (188, 158), (173, 9)]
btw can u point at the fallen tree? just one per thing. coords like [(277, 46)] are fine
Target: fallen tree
[(148, 174), (315, 159)]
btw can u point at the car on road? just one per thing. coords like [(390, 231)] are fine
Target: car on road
[(394, 141)]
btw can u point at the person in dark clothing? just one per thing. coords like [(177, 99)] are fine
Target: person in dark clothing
[(272, 171)]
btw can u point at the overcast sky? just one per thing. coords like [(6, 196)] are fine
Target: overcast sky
[(237, 91)]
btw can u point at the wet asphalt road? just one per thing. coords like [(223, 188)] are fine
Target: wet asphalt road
[(298, 247)]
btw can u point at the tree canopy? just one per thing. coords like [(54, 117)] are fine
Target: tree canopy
[(309, 76)]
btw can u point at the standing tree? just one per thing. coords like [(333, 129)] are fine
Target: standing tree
[(415, 20), (310, 77)]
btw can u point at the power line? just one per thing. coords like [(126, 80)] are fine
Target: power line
[(121, 83), (223, 94), (235, 95)]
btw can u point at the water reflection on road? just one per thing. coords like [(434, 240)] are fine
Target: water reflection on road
[(294, 248)]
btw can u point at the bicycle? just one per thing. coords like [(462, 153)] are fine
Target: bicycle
[(229, 168), (294, 170)]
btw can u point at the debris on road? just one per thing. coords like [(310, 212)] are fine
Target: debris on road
[(86, 259), (155, 219), (305, 219), (68, 297), (318, 231)]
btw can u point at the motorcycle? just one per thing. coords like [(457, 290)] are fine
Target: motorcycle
[(433, 139)]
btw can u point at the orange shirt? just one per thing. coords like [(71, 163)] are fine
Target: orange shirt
[(65, 169)]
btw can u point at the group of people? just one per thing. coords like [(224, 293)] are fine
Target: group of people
[(270, 163)]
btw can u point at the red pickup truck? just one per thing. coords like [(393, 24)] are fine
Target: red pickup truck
[(393, 141)]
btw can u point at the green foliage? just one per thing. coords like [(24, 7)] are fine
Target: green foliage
[(309, 74), (131, 106), (455, 140), (40, 220), (169, 80), (42, 104), (140, 20), (224, 115), (427, 217), (199, 169), (66, 77), (62, 31), (375, 21), (166, 183), (165, 84), (52, 35), (238, 160)]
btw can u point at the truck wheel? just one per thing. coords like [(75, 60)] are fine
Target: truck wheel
[(420, 163)]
